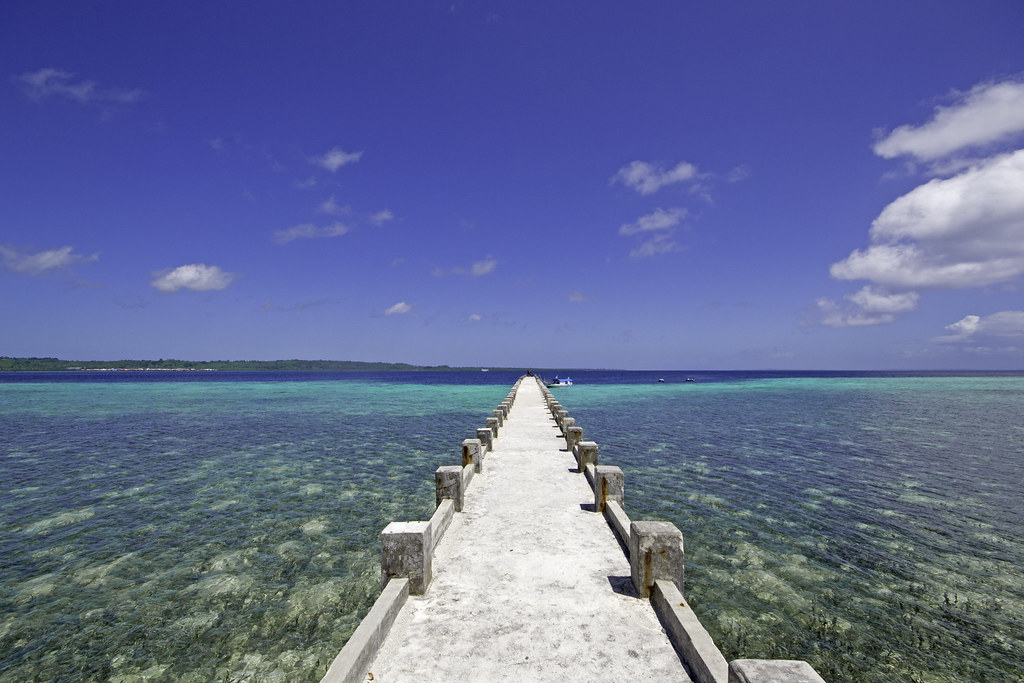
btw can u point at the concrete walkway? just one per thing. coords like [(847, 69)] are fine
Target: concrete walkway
[(528, 584)]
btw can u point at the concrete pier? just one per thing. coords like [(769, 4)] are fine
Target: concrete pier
[(516, 578)]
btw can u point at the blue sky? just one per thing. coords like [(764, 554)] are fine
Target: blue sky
[(673, 185)]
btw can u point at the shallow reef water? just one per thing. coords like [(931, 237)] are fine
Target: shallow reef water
[(226, 528)]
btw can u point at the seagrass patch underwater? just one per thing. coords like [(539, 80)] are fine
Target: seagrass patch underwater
[(207, 530), (873, 526)]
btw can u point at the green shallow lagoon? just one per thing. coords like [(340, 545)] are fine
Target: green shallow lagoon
[(227, 528)]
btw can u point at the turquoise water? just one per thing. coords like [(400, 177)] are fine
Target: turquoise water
[(228, 530), (201, 531), (872, 526)]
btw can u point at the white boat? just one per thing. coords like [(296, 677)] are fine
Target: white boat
[(563, 382)]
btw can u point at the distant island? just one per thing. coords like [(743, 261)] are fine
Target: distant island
[(9, 364)]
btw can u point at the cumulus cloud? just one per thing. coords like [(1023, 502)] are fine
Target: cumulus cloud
[(660, 219), (963, 228), (335, 158), (332, 208), (647, 178), (987, 113), (197, 276), (474, 317), (26, 263), (399, 308), (662, 223), (954, 233), (866, 307), (654, 245), (381, 217), (309, 231), (578, 297), (483, 267), (971, 328), (52, 82)]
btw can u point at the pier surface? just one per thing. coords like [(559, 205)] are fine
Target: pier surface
[(528, 582)]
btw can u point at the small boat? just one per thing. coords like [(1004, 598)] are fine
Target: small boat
[(485, 369), (690, 379), (563, 382), (661, 380)]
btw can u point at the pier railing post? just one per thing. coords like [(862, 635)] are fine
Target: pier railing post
[(492, 424), (472, 452), (406, 552), (573, 435), (586, 454), (655, 553), (609, 485), (485, 436), (448, 484)]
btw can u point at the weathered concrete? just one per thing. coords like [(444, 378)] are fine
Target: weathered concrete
[(407, 553), (448, 483), (655, 552), (772, 671), (352, 663), (528, 585), (486, 437), (586, 454), (698, 650), (573, 435), (440, 521), (472, 454), (492, 424), (609, 485)]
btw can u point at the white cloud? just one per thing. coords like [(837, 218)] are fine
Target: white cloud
[(648, 178), (866, 307), (334, 209), (657, 244), (33, 264), (660, 219), (198, 276), (988, 113), (955, 233), (483, 267), (309, 231), (335, 158), (381, 217), (399, 308), (475, 317), (971, 328), (578, 297), (54, 82)]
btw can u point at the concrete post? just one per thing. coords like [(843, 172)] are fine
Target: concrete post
[(492, 424), (472, 452), (499, 415), (486, 437), (406, 552), (448, 484), (609, 485), (655, 553), (586, 454), (573, 435), (772, 671), (566, 422)]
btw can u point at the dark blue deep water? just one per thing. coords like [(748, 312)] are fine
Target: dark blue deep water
[(224, 526)]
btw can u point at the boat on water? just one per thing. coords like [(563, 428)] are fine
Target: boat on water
[(563, 382)]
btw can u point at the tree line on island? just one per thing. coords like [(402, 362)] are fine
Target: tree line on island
[(9, 364)]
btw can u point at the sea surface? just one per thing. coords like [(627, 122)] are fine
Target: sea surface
[(224, 526)]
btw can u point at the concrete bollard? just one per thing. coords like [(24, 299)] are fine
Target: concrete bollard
[(406, 552), (472, 452), (772, 671), (565, 423), (586, 454), (655, 553), (448, 484), (486, 437), (573, 435), (492, 424), (609, 485), (499, 415)]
